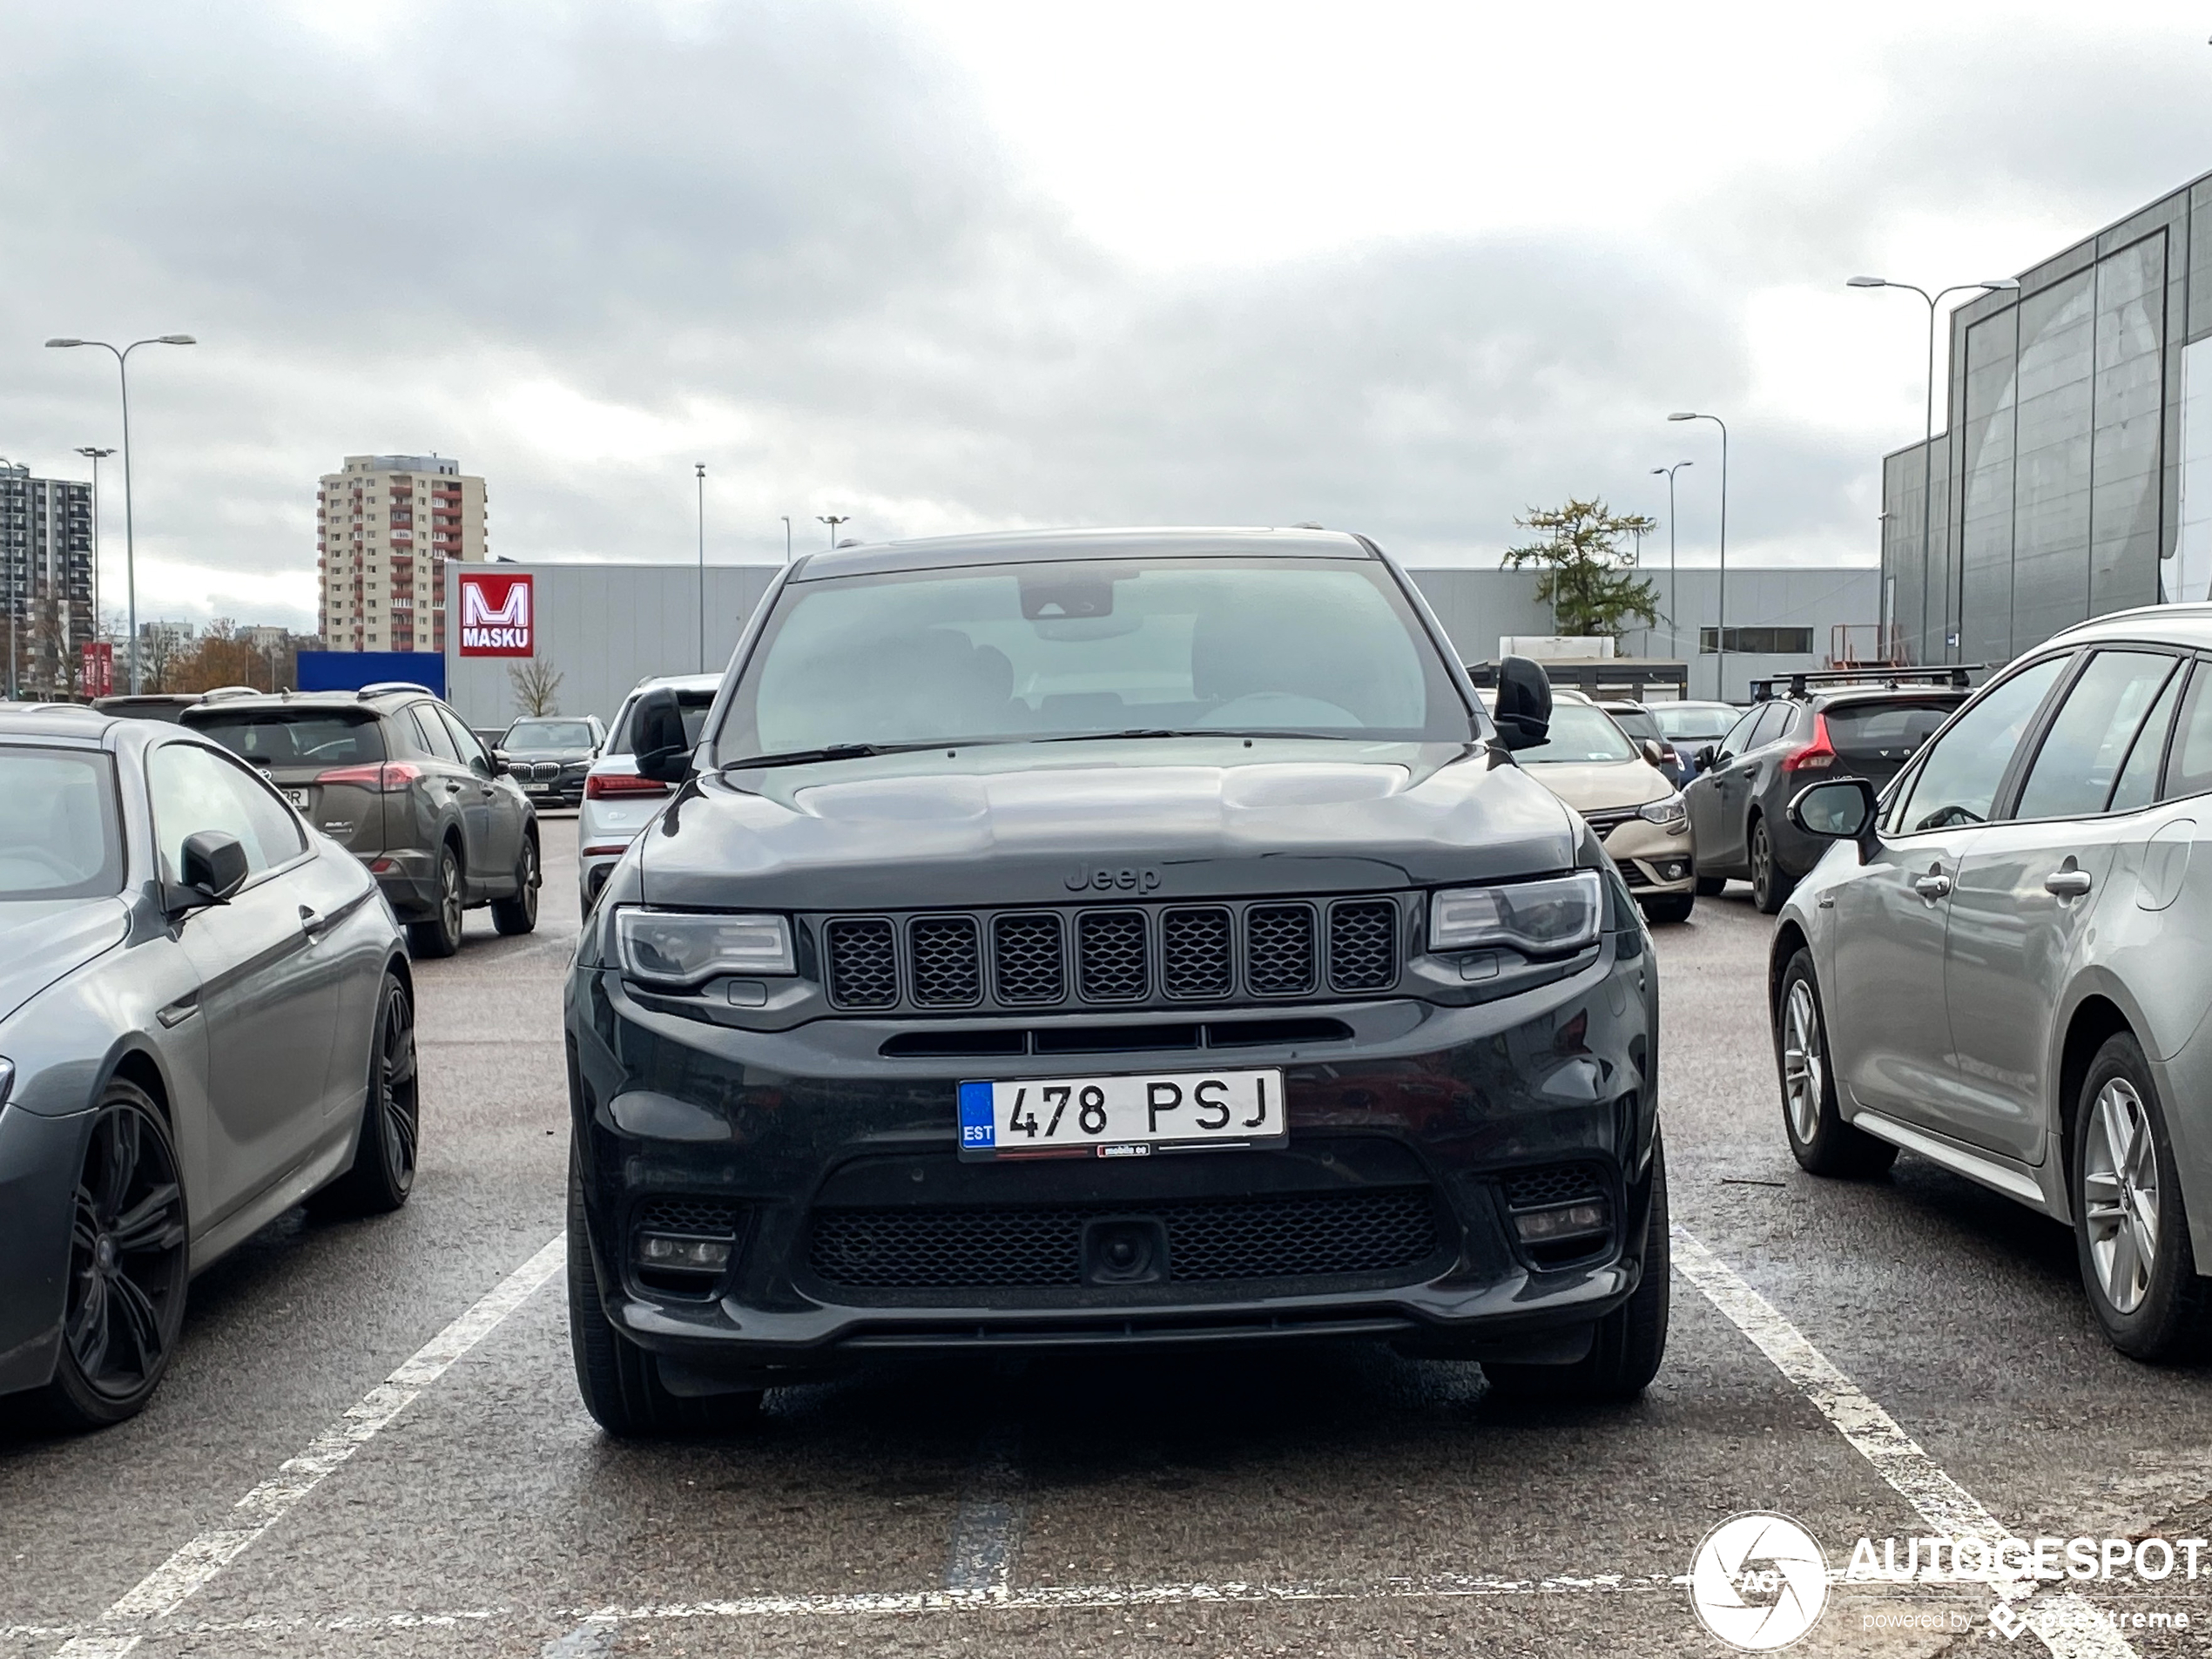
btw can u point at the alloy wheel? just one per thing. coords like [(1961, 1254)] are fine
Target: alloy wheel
[(396, 1078), (2119, 1194), (126, 1254), (449, 905), (1804, 1067), (1762, 861)]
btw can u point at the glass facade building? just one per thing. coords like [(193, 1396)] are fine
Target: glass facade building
[(2075, 478)]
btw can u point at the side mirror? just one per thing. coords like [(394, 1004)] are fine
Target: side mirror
[(664, 753), (499, 763), (1657, 753), (1706, 758), (1524, 704), (214, 870), (1842, 809)]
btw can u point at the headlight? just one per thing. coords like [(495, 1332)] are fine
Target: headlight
[(1538, 917), (678, 948), (1670, 812)]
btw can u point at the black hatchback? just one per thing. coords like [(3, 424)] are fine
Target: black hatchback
[(1804, 729)]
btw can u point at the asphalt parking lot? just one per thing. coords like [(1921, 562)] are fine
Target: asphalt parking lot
[(372, 1443)]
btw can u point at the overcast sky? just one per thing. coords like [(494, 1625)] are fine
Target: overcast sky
[(1406, 268)]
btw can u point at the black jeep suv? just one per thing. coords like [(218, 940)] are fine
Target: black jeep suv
[(1107, 937)]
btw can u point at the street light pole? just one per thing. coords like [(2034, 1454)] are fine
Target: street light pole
[(1674, 593), (834, 520), (95, 455), (701, 467), (130, 543), (1928, 442), (1720, 632)]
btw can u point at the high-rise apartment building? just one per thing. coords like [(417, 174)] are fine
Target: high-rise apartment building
[(45, 580), (385, 528)]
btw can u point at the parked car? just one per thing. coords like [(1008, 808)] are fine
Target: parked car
[(618, 803), (1689, 726), (1616, 784), (1642, 728), (206, 1017), (392, 774), (548, 755), (1804, 728), (1107, 938), (1999, 965)]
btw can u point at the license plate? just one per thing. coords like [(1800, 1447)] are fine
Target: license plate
[(298, 798), (1121, 1116)]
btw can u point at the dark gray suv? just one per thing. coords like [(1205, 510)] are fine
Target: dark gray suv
[(393, 774)]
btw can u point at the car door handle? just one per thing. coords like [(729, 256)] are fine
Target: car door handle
[(2067, 884), (313, 923), (1931, 886)]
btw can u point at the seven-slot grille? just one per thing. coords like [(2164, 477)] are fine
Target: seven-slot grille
[(1610, 818), (1109, 954)]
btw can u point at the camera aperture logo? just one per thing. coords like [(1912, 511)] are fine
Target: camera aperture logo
[(1758, 1582)]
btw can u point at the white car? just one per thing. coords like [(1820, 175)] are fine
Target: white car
[(618, 803)]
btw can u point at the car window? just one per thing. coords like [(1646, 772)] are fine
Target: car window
[(548, 734), (195, 789), (1579, 734), (1637, 723), (1693, 722), (292, 737), (1957, 784), (1885, 731), (2079, 763), (694, 706), (1773, 720), (2138, 785), (2189, 770), (431, 733), (59, 835), (464, 740), (1739, 735)]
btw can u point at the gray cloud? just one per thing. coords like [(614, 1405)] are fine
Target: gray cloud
[(789, 231)]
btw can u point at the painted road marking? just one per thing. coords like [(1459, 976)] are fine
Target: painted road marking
[(162, 1591), (2066, 1623)]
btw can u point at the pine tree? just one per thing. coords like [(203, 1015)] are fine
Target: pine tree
[(1584, 580)]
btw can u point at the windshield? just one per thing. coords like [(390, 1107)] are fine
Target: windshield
[(1064, 649), (1579, 734), (1636, 723), (293, 737), (57, 826), (548, 734), (1702, 722)]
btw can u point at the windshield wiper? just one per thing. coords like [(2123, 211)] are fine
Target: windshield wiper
[(852, 751), (1204, 731)]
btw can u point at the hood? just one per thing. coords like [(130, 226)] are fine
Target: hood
[(1603, 786), (41, 940), (1162, 820)]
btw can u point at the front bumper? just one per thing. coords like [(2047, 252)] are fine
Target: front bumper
[(810, 1134), (39, 1160), (1653, 861)]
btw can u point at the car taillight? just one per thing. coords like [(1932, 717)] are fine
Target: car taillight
[(1818, 753), (390, 776), (600, 783)]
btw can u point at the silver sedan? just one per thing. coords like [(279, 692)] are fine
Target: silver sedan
[(2001, 964), (205, 1017)]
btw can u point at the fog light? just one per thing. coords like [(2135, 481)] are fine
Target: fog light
[(1673, 870), (1561, 1221), (689, 1255)]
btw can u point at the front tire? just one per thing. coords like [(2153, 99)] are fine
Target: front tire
[(382, 1173), (519, 914), (1819, 1139), (1771, 883), (2131, 1232), (1630, 1342), (128, 1266), (1669, 907), (620, 1382), (440, 934)]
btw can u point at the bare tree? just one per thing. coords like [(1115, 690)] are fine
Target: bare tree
[(52, 649), (538, 686)]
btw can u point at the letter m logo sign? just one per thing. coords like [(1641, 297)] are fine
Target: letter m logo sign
[(497, 616)]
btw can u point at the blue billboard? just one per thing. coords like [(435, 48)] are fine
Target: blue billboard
[(348, 670)]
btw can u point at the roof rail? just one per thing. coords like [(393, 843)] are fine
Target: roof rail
[(385, 688), (1954, 674)]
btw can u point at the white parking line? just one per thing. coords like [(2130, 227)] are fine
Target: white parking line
[(162, 1591), (2066, 1623)]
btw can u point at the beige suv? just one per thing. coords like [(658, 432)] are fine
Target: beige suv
[(1593, 766)]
